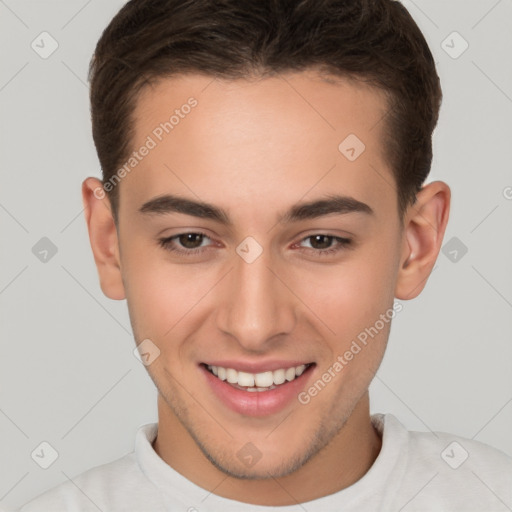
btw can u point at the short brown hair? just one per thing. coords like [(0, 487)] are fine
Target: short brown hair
[(375, 41)]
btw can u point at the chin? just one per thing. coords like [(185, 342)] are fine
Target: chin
[(261, 470)]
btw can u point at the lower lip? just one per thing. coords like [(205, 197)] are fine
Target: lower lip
[(257, 403)]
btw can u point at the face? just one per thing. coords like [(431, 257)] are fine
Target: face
[(254, 247)]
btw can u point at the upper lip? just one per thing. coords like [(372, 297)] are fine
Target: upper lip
[(256, 366)]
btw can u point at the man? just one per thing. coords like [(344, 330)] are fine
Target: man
[(262, 205)]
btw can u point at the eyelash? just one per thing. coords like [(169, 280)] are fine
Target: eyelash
[(167, 244)]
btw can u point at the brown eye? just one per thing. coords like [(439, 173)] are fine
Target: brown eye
[(325, 245), (186, 243), (321, 241), (191, 240)]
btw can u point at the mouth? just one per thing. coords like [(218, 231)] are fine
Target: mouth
[(259, 393), (257, 382)]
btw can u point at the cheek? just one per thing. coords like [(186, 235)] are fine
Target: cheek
[(350, 296), (356, 303), (161, 295)]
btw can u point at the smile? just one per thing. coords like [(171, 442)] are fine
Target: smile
[(264, 381), (259, 393)]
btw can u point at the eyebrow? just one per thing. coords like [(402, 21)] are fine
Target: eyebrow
[(331, 204)]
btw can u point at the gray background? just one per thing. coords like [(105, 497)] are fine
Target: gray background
[(67, 372)]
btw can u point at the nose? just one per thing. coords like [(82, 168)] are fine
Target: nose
[(256, 307)]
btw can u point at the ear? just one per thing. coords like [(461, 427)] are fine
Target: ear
[(424, 226), (103, 238)]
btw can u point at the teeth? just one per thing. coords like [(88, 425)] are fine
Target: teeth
[(264, 380), (259, 389), (289, 374), (245, 379), (257, 381), (279, 376), (231, 376)]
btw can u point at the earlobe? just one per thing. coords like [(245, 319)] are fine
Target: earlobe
[(103, 238), (424, 228)]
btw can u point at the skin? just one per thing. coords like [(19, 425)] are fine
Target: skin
[(255, 148)]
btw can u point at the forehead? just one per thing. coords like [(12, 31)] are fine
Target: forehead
[(259, 141)]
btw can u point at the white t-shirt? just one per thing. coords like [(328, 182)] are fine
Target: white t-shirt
[(415, 471)]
